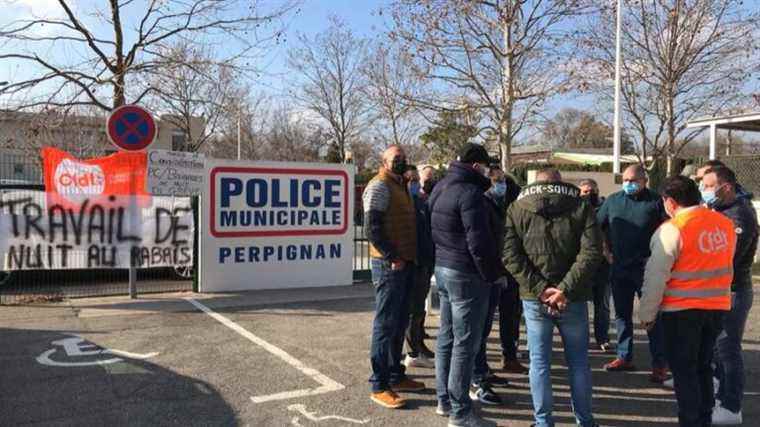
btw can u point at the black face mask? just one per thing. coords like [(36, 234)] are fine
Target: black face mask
[(593, 198), (398, 166), (427, 187)]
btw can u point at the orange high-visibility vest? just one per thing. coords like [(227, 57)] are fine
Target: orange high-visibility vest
[(701, 276)]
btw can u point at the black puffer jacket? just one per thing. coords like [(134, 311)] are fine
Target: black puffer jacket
[(743, 214), (462, 234)]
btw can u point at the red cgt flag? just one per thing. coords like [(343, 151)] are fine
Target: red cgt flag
[(68, 180)]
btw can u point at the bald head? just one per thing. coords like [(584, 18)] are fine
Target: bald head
[(634, 179), (635, 172), (394, 160), (548, 175)]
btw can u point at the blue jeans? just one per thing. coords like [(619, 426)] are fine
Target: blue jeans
[(573, 328), (392, 288), (625, 287), (728, 351), (481, 361), (464, 305)]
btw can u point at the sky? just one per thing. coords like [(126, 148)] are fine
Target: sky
[(309, 19)]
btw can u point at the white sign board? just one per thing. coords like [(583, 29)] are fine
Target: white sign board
[(269, 225), (97, 232), (175, 173)]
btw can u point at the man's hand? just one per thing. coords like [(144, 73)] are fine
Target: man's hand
[(607, 252), (558, 299), (648, 325), (547, 293), (398, 264)]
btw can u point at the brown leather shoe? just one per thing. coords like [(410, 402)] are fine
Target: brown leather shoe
[(408, 385), (513, 367), (388, 399), (619, 365), (658, 375)]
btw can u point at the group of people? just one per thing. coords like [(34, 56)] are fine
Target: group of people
[(542, 253)]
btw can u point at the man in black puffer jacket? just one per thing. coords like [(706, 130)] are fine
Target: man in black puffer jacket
[(465, 266), (721, 193)]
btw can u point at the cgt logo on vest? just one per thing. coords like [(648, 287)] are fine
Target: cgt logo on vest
[(75, 178), (257, 202), (711, 242)]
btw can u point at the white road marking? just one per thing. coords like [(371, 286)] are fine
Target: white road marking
[(327, 384), (313, 416), (76, 346)]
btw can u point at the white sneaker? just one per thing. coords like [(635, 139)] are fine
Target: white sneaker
[(723, 417), (668, 383), (418, 362), (443, 410)]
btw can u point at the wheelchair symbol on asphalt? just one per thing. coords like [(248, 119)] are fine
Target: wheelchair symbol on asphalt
[(312, 416), (75, 347)]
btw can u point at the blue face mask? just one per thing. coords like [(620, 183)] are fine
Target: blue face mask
[(709, 197), (630, 187), (499, 189), (414, 188)]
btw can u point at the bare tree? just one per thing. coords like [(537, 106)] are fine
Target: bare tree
[(291, 137), (196, 93), (682, 59), (504, 57), (331, 83), (391, 84), (105, 66)]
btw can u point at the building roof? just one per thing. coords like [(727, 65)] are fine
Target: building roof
[(745, 122), (563, 157)]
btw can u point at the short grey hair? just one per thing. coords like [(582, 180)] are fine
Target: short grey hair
[(588, 181)]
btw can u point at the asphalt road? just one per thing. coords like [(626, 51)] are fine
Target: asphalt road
[(282, 358)]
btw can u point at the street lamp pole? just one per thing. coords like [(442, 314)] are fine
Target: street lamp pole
[(618, 60)]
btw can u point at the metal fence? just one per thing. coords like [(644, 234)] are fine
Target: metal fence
[(23, 286), (747, 170)]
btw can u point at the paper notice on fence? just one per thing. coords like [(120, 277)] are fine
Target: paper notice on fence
[(175, 173), (100, 232)]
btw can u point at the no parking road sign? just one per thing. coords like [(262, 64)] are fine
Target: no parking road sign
[(131, 128)]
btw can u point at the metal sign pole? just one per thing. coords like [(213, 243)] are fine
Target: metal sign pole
[(132, 269)]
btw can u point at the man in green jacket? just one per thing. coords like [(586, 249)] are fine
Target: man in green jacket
[(552, 248)]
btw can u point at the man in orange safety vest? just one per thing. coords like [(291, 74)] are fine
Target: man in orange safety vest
[(688, 278)]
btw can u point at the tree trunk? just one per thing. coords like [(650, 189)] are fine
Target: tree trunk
[(507, 103)]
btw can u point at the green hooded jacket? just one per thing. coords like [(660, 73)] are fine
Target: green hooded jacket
[(552, 240)]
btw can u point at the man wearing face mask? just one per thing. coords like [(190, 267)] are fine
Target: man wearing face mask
[(390, 226), (688, 279), (628, 219), (719, 193), (503, 192), (419, 355), (427, 181), (466, 264), (482, 378), (590, 192)]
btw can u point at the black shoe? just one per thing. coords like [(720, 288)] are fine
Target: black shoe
[(485, 395), (493, 379), (427, 353)]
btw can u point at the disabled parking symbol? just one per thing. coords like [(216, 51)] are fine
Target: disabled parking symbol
[(66, 352)]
